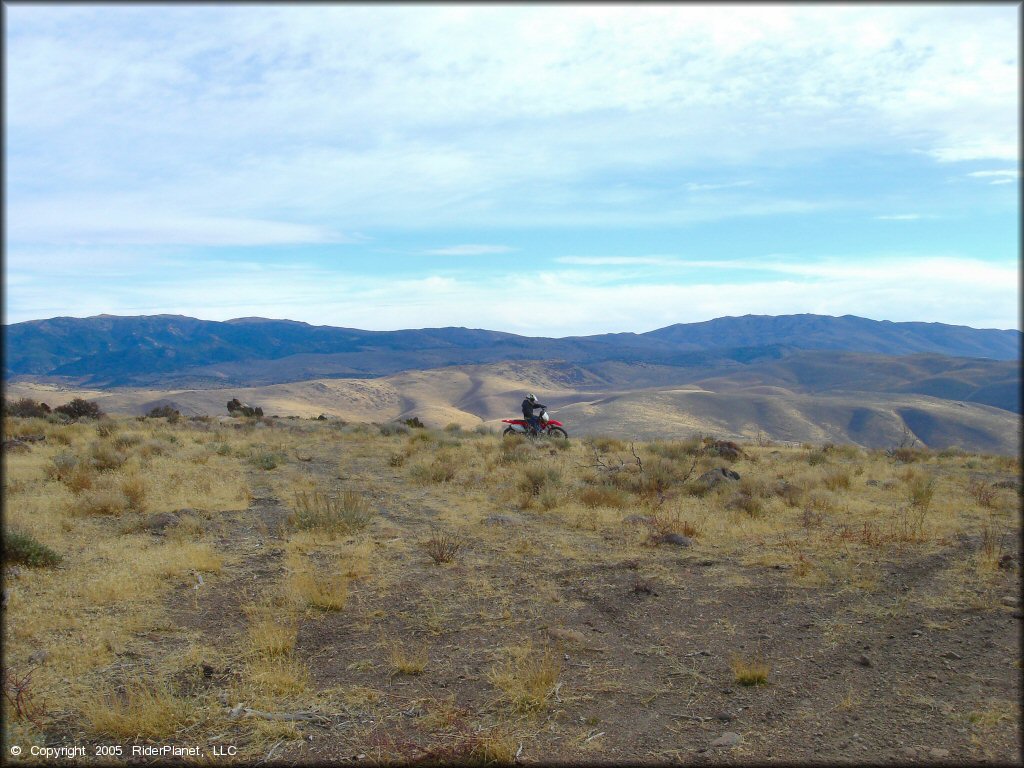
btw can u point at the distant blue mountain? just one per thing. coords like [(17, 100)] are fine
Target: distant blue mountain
[(173, 350)]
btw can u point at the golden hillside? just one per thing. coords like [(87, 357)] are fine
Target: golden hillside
[(618, 402)]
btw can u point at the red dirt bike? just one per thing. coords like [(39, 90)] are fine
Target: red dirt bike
[(548, 428)]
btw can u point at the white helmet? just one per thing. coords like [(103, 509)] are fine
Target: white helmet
[(532, 398)]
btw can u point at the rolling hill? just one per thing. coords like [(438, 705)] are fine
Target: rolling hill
[(802, 378)]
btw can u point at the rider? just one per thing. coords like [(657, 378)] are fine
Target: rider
[(530, 405)]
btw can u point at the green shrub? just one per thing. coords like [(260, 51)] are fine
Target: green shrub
[(26, 408), (266, 460), (22, 548), (415, 423), (79, 409), (164, 412)]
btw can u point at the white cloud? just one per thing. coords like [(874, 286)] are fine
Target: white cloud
[(1003, 176), (581, 299), (407, 115), (469, 250), (620, 261)]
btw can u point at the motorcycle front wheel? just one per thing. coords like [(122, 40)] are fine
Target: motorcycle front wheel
[(557, 433)]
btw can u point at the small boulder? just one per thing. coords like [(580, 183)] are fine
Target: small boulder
[(724, 448), (713, 477), (727, 739), (159, 522), (500, 520), (676, 539), (636, 520)]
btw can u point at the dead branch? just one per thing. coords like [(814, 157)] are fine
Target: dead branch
[(286, 716), (639, 463)]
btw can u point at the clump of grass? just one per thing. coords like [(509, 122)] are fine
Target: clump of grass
[(327, 593), (750, 672), (104, 457), (441, 469), (408, 661), (748, 503), (396, 459), (101, 501), (127, 440), (603, 496), (133, 487), (814, 458), (340, 513), (278, 676), (268, 636), (514, 450), (143, 710), (443, 546), (526, 678), (982, 493), (23, 548), (536, 479), (665, 524), (836, 480), (920, 490)]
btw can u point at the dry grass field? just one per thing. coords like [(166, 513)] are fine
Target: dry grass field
[(294, 591)]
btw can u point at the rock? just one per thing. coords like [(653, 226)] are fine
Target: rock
[(39, 657), (677, 539), (500, 520), (1006, 562), (158, 522), (952, 655), (713, 477), (725, 717), (16, 446), (910, 751), (938, 753), (1010, 601), (726, 449), (864, 661), (872, 482), (727, 739), (637, 520)]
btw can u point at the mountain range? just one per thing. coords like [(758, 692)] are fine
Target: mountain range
[(106, 350), (794, 377)]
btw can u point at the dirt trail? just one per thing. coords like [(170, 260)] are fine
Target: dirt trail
[(647, 672)]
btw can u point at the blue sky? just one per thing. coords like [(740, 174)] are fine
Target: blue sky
[(548, 170)]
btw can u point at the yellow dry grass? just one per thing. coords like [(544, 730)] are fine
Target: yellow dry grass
[(833, 522)]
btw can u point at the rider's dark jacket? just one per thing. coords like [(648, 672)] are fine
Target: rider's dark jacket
[(528, 408)]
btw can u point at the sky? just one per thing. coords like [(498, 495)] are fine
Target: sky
[(547, 170)]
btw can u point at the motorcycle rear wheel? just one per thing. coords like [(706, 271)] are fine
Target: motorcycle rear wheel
[(508, 431)]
